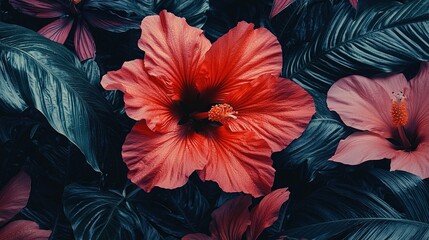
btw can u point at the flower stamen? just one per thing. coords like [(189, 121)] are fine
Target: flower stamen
[(398, 111), (399, 116), (222, 113)]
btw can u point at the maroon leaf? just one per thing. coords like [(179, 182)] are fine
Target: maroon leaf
[(23, 230), (58, 30), (83, 41), (14, 196), (40, 8)]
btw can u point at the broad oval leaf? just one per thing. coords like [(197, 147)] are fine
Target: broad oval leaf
[(177, 212), (108, 215), (383, 38), (38, 73)]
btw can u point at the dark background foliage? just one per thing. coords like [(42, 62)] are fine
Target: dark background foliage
[(60, 125)]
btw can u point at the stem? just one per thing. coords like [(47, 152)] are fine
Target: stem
[(403, 137)]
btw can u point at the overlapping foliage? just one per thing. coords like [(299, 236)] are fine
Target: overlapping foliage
[(66, 131)]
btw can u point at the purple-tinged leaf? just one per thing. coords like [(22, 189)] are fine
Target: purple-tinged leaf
[(14, 196), (23, 229), (83, 41), (40, 8), (58, 30)]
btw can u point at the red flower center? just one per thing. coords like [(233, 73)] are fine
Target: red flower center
[(202, 115), (222, 113)]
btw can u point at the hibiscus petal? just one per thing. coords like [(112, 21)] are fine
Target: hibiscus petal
[(416, 162), (276, 109), (174, 50), (231, 220), (58, 30), (241, 55), (266, 212), (363, 146), (418, 102), (163, 159), (14, 196), (83, 41), (278, 6), (145, 97), (239, 161), (23, 229), (197, 236), (394, 83), (363, 104), (40, 8)]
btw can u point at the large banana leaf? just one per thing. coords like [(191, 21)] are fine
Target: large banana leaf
[(383, 38)]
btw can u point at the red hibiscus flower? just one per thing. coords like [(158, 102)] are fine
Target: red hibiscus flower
[(233, 218), (13, 198), (394, 115), (79, 13), (280, 5), (219, 109)]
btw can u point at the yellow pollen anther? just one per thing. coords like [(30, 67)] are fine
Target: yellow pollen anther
[(222, 113), (398, 111)]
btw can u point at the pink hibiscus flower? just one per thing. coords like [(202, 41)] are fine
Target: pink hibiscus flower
[(219, 109), (394, 114), (79, 13), (233, 218), (13, 198)]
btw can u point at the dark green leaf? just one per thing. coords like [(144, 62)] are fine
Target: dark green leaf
[(357, 207), (308, 155), (383, 38), (177, 212), (411, 193), (300, 22), (123, 14), (92, 71), (194, 11), (38, 73), (225, 14), (108, 215)]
